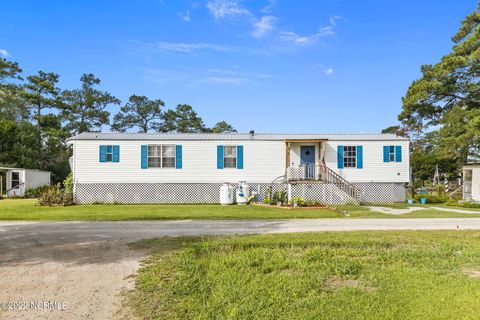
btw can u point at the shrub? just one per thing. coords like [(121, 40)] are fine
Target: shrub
[(36, 192), (55, 196), (279, 197), (430, 198), (297, 202), (68, 183)]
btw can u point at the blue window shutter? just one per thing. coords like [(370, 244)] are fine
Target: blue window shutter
[(340, 157), (398, 153), (386, 153), (359, 157), (219, 157), (178, 156), (116, 154), (239, 157), (103, 154), (144, 153)]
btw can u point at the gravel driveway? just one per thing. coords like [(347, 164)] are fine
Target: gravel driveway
[(84, 266)]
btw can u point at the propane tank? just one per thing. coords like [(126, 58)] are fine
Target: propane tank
[(243, 192), (226, 194)]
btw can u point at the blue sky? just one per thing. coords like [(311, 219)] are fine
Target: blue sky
[(269, 65)]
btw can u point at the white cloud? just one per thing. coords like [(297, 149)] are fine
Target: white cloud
[(328, 71), (148, 48), (269, 7), (225, 80), (295, 38), (220, 9), (193, 77), (263, 26), (4, 53), (185, 16), (333, 20)]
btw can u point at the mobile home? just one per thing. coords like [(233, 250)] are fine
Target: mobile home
[(17, 180), (191, 167)]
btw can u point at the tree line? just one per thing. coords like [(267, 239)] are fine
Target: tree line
[(37, 117), (441, 110)]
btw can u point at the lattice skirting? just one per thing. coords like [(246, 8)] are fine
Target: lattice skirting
[(145, 193), (325, 193), (382, 192)]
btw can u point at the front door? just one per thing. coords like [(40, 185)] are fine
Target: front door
[(307, 159)]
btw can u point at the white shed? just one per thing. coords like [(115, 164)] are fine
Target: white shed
[(471, 182), (18, 180)]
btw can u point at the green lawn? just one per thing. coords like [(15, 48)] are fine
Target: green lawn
[(355, 275), (21, 209), (27, 209)]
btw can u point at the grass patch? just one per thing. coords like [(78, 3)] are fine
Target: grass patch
[(355, 275), (27, 209)]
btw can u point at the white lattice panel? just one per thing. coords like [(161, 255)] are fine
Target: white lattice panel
[(379, 192), (138, 193), (325, 193)]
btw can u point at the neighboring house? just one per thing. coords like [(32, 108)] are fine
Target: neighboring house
[(471, 182), (190, 168), (18, 180)]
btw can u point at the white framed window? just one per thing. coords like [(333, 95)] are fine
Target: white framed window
[(15, 179), (161, 156), (350, 156), (391, 153), (230, 156)]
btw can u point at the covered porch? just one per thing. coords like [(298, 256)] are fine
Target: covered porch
[(305, 160)]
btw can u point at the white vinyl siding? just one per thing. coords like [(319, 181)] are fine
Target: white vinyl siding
[(265, 161), (374, 169)]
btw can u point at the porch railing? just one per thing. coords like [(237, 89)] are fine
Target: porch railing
[(322, 173), (303, 172)]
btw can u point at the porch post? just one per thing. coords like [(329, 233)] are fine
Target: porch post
[(319, 161), (289, 192), (287, 155)]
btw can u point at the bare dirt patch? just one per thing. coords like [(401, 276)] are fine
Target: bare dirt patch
[(472, 273), (88, 277), (336, 283)]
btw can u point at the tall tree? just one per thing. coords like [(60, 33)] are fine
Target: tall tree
[(9, 70), (84, 108), (139, 112), (12, 105), (41, 93), (222, 127), (182, 119), (19, 144), (446, 98)]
